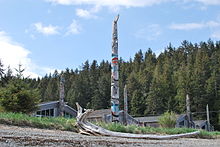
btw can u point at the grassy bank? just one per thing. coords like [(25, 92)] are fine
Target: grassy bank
[(60, 123), (150, 130), (19, 119)]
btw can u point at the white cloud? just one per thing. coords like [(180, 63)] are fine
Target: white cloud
[(128, 3), (85, 13), (186, 26), (88, 14), (110, 3), (212, 24), (203, 2), (209, 2), (192, 26), (46, 30), (4, 37), (12, 54), (213, 27), (74, 28), (116, 5), (150, 32), (216, 34), (197, 4)]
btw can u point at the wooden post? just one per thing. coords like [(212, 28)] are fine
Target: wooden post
[(61, 101), (125, 103), (207, 113), (188, 113)]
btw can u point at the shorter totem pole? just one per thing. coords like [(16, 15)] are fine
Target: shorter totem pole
[(61, 101)]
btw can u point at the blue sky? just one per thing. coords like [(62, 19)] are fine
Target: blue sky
[(44, 35)]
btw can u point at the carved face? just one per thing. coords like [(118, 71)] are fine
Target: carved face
[(114, 108)]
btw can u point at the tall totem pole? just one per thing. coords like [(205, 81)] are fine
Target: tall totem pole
[(61, 101), (114, 74)]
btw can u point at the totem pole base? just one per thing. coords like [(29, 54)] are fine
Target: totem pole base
[(123, 118)]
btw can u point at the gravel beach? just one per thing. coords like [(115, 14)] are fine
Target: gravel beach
[(13, 136)]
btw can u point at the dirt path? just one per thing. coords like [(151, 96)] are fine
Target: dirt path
[(12, 136)]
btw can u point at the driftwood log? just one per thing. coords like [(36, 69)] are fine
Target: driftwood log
[(88, 128)]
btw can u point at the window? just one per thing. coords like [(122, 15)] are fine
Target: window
[(51, 112), (47, 112), (43, 113), (38, 113)]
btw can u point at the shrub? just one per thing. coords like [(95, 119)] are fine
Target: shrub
[(17, 96), (168, 120)]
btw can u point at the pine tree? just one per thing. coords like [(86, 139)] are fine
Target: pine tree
[(1, 69), (8, 76), (136, 101), (137, 106), (102, 95), (52, 89), (42, 86), (181, 86), (17, 96), (155, 100), (1, 73), (138, 59), (200, 75)]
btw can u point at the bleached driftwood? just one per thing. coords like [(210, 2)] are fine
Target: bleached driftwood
[(88, 128)]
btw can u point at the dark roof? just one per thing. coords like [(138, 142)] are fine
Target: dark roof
[(149, 119), (70, 109), (48, 103), (181, 117), (99, 113), (200, 122)]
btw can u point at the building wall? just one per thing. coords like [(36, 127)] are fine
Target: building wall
[(51, 109)]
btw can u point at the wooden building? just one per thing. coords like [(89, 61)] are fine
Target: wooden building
[(105, 116), (183, 121), (150, 121), (51, 109), (99, 115), (203, 124)]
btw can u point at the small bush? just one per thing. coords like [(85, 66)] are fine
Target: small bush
[(168, 120)]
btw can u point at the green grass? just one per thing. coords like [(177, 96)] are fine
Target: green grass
[(20, 119), (151, 130), (61, 123), (211, 135), (143, 130)]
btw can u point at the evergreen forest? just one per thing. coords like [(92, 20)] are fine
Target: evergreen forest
[(155, 84)]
